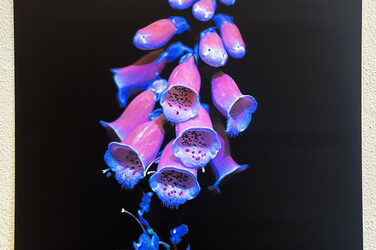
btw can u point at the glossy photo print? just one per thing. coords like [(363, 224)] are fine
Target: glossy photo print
[(188, 124)]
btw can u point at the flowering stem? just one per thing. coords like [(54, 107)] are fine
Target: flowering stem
[(138, 221)]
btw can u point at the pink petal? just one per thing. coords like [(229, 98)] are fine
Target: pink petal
[(180, 101), (173, 182), (196, 141)]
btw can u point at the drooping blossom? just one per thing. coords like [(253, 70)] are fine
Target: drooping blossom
[(211, 48), (173, 182), (157, 34), (130, 158), (230, 34), (180, 101), (137, 112), (138, 76), (196, 141), (204, 10), (223, 164), (235, 106), (181, 4), (228, 2), (177, 233)]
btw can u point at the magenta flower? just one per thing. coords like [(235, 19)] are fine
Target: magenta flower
[(196, 141), (173, 182), (130, 158), (137, 112), (180, 101), (138, 76), (181, 4), (211, 48), (204, 10), (157, 34), (228, 2), (223, 164), (235, 106), (230, 34)]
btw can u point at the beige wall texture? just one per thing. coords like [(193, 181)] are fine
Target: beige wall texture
[(369, 123), (6, 125), (7, 162)]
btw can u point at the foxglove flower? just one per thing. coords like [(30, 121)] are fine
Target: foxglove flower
[(223, 164), (196, 141), (228, 2), (211, 48), (204, 10), (137, 112), (230, 34), (235, 106), (130, 158), (138, 76), (181, 4), (180, 101), (157, 34), (173, 182)]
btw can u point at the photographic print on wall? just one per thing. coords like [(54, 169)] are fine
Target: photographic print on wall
[(173, 124)]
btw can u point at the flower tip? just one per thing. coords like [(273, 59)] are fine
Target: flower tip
[(180, 23), (180, 4), (140, 41), (228, 2), (111, 130)]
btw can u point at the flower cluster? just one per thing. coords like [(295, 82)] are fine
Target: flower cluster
[(140, 129)]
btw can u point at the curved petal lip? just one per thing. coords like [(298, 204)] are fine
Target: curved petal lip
[(111, 131), (214, 149), (194, 190), (245, 122), (168, 114), (239, 169), (124, 146)]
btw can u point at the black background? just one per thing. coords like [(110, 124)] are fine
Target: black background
[(303, 187)]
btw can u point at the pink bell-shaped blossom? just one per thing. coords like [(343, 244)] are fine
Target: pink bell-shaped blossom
[(181, 4), (137, 112), (173, 182), (211, 48), (180, 101), (196, 141), (204, 10), (138, 76), (223, 164), (228, 2), (235, 106), (130, 158), (157, 34), (230, 34)]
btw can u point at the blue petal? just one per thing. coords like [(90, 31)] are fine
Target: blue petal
[(178, 232), (145, 202), (174, 51), (147, 243)]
